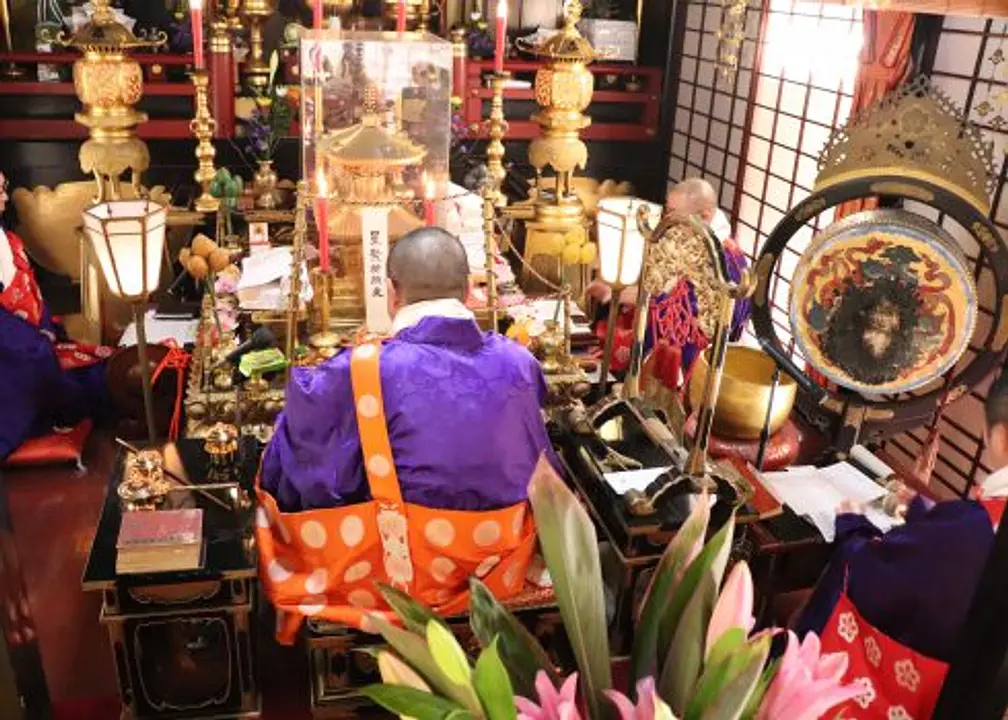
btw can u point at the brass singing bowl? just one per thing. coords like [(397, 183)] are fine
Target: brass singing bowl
[(745, 392)]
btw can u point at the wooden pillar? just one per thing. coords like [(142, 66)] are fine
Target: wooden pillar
[(221, 69)]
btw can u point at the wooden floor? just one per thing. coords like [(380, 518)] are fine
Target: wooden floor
[(53, 512)]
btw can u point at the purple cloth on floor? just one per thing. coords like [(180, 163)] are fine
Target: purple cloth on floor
[(914, 583), (463, 414), (35, 392)]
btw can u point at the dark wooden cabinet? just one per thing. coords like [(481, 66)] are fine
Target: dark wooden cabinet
[(183, 643)]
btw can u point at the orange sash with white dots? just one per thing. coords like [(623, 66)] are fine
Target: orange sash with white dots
[(325, 563)]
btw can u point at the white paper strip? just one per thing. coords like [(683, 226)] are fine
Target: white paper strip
[(865, 456), (374, 232)]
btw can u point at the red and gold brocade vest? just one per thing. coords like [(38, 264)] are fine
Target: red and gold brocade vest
[(326, 563)]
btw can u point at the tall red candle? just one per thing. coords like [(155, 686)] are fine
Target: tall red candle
[(400, 18), (322, 220), (500, 35), (317, 14), (428, 203), (196, 13)]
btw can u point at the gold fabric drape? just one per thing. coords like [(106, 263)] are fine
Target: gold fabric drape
[(885, 62)]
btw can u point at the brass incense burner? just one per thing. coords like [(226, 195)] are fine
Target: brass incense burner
[(144, 485), (109, 83)]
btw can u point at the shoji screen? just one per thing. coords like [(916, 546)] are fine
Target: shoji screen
[(807, 64), (710, 115)]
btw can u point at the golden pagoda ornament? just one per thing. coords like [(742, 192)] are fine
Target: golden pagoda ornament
[(364, 165)]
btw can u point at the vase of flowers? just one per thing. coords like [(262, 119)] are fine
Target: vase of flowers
[(264, 131), (264, 183)]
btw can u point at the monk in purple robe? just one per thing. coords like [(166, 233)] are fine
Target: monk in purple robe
[(46, 380), (463, 407), (915, 583)]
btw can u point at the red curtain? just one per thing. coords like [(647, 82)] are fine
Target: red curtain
[(885, 62)]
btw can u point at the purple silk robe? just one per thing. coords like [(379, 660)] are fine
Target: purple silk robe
[(914, 583), (463, 415)]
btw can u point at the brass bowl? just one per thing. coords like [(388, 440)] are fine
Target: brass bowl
[(745, 391)]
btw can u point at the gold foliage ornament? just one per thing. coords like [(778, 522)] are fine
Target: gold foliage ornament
[(913, 132)]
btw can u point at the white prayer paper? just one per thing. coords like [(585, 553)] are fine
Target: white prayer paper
[(816, 493), (374, 232), (183, 332), (625, 480)]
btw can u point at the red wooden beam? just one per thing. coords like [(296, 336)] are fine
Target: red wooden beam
[(33, 129)]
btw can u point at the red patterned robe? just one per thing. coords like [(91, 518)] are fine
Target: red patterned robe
[(46, 380)]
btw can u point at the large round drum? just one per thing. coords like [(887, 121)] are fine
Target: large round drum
[(883, 302)]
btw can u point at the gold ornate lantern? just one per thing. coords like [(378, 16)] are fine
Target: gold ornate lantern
[(109, 83), (555, 216)]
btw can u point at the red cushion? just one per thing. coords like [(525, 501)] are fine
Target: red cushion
[(781, 451), (54, 448)]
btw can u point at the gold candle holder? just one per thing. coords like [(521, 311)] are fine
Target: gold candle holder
[(489, 223), (297, 262), (203, 126), (324, 342), (256, 13), (424, 24), (497, 128)]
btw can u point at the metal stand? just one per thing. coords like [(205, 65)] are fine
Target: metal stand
[(145, 374)]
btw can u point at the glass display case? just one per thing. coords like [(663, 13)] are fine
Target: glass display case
[(376, 127)]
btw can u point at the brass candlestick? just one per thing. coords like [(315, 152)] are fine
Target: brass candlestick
[(325, 342), (203, 126), (497, 128), (257, 71), (424, 23), (297, 262), (489, 222)]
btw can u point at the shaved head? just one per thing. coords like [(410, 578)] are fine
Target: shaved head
[(693, 196), (428, 264)]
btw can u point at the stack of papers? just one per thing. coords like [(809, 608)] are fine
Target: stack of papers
[(264, 280), (183, 332), (461, 214), (539, 312), (816, 493)]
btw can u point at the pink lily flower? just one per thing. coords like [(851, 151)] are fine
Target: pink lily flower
[(734, 607), (808, 683), (553, 705), (649, 705)]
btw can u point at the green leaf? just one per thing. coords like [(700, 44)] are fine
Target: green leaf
[(414, 615), (448, 654), (492, 685), (726, 660), (756, 699), (410, 702), (394, 671), (686, 651), (673, 563), (570, 548), (734, 698), (414, 650), (711, 561), (520, 652)]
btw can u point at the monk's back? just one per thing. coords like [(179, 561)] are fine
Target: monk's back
[(462, 409), (463, 415)]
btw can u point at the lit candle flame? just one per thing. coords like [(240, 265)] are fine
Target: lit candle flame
[(502, 8), (320, 184), (195, 4), (429, 189)]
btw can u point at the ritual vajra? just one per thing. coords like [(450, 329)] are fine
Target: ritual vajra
[(503, 360)]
